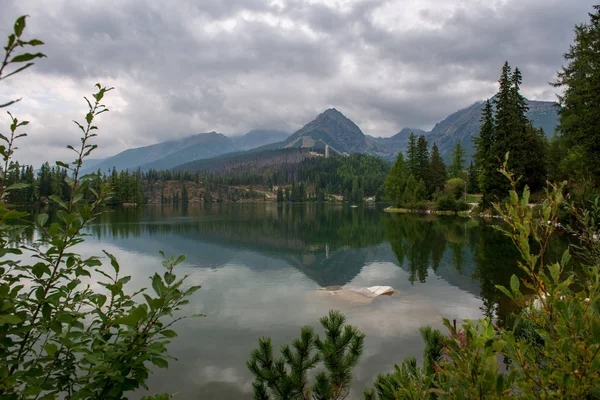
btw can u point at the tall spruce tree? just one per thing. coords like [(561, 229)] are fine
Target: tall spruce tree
[(395, 182), (437, 171), (509, 131), (458, 161), (411, 155), (580, 111), (422, 171), (486, 162)]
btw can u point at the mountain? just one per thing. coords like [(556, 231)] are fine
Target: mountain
[(464, 124), (399, 142), (259, 137), (169, 154), (341, 134)]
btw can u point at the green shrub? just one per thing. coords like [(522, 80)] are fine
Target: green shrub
[(455, 187), (59, 338), (446, 202), (552, 348)]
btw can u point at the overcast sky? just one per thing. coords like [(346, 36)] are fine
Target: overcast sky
[(191, 66)]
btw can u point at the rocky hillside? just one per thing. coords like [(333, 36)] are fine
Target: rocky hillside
[(340, 133)]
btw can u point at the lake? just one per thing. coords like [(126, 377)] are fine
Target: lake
[(261, 267)]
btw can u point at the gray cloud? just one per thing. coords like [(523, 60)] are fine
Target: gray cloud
[(235, 65)]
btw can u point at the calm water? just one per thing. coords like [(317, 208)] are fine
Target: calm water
[(261, 267)]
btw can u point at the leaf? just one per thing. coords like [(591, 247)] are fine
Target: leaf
[(20, 25), (42, 219), (514, 284), (169, 333), (160, 362), (157, 285), (113, 261), (135, 316), (505, 291), (180, 259), (10, 319), (51, 349), (26, 57), (58, 201), (17, 186)]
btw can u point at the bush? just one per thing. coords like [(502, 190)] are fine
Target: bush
[(455, 187), (552, 349), (59, 338), (446, 202)]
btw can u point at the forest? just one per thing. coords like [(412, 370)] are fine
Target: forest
[(300, 178)]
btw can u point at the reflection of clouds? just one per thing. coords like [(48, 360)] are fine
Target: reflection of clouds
[(251, 296)]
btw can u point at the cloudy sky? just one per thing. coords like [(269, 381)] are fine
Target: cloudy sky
[(193, 66)]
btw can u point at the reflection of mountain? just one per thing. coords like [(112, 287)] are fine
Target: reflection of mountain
[(330, 245)]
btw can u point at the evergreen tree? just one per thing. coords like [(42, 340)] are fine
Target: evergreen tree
[(421, 191), (473, 186), (422, 171), (409, 198), (458, 161), (580, 111), (437, 171), (279, 195), (184, 195), (486, 161), (396, 181), (44, 181), (412, 158)]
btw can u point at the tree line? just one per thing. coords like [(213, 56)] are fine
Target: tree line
[(423, 176), (316, 178)]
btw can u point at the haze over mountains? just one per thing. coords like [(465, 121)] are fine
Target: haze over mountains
[(330, 128)]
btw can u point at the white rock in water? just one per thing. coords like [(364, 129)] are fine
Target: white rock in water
[(364, 292)]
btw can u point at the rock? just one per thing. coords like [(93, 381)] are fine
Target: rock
[(356, 293)]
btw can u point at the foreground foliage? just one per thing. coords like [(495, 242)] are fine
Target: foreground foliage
[(68, 326), (552, 347)]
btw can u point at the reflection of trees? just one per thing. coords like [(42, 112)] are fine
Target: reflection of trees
[(299, 226)]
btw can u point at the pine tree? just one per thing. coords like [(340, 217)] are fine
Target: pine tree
[(411, 158), (44, 181), (396, 181), (458, 161), (437, 171), (279, 195), (184, 195), (408, 197), (422, 159), (580, 111), (486, 162), (473, 186)]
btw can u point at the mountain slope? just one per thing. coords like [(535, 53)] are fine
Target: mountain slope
[(202, 146), (171, 153), (259, 137), (462, 125), (399, 142), (334, 129)]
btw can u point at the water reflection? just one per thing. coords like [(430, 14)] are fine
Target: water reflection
[(261, 265), (329, 244)]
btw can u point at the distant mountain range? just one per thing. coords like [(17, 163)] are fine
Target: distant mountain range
[(330, 128), (462, 125), (166, 155)]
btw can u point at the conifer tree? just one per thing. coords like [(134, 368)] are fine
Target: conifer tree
[(396, 181), (580, 111), (437, 171), (458, 161), (411, 157), (473, 179), (422, 171)]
